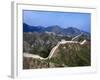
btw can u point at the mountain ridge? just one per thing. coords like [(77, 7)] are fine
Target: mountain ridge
[(70, 31)]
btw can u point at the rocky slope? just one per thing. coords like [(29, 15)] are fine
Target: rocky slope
[(40, 40), (67, 55)]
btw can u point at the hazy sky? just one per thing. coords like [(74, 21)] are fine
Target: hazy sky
[(63, 19)]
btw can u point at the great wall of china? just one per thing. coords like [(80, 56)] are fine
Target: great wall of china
[(54, 48)]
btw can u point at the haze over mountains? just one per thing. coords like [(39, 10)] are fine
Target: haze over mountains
[(70, 31)]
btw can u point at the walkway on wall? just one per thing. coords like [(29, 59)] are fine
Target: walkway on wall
[(54, 49)]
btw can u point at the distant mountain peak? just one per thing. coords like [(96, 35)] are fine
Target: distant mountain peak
[(54, 27), (69, 31), (73, 28)]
